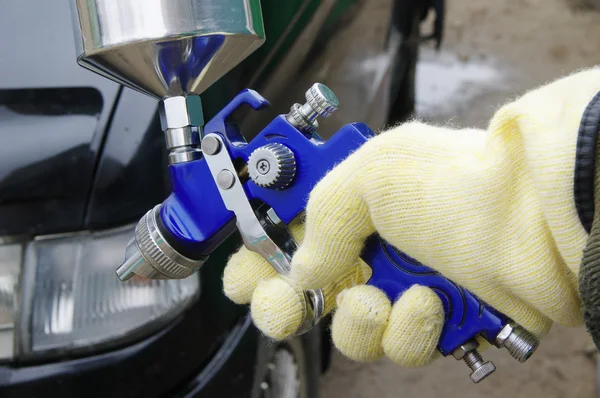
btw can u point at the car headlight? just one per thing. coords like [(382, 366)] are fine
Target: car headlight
[(71, 299), (10, 265)]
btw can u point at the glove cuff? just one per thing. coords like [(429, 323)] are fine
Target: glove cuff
[(585, 162)]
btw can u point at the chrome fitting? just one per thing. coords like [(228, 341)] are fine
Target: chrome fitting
[(183, 144), (182, 136), (180, 111), (181, 119), (519, 342), (150, 256)]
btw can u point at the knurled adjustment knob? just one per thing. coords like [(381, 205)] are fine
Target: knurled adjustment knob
[(272, 166), (320, 101), (483, 371)]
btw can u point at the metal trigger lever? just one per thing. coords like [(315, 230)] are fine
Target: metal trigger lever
[(253, 234)]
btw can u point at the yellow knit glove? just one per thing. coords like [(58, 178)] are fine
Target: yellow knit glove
[(492, 210)]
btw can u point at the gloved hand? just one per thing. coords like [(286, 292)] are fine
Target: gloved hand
[(492, 210)]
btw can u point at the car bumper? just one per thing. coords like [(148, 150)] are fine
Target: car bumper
[(150, 368)]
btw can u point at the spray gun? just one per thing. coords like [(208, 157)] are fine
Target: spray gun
[(221, 183)]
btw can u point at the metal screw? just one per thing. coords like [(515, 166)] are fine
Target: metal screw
[(225, 179), (211, 145), (263, 166)]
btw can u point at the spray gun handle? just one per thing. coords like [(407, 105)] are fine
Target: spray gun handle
[(466, 316)]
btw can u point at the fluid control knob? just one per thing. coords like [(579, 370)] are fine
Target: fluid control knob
[(480, 368), (272, 166), (320, 101)]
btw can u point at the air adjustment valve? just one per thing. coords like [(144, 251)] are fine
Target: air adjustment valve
[(320, 101), (272, 166)]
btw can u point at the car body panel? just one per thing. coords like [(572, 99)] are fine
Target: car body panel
[(141, 370), (132, 171), (52, 117)]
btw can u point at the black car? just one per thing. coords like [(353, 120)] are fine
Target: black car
[(82, 159)]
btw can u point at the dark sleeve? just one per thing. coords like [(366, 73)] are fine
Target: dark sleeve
[(587, 199)]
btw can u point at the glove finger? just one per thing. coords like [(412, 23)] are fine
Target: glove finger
[(414, 328), (244, 270), (337, 224), (358, 275), (278, 306), (358, 325)]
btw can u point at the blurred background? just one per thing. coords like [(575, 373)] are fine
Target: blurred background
[(83, 158)]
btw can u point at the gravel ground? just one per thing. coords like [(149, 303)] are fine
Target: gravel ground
[(493, 51)]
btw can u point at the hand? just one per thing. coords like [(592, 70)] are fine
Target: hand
[(491, 210)]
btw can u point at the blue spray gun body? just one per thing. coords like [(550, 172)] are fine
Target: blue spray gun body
[(252, 186)]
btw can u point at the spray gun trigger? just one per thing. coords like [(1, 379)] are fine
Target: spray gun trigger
[(253, 233)]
